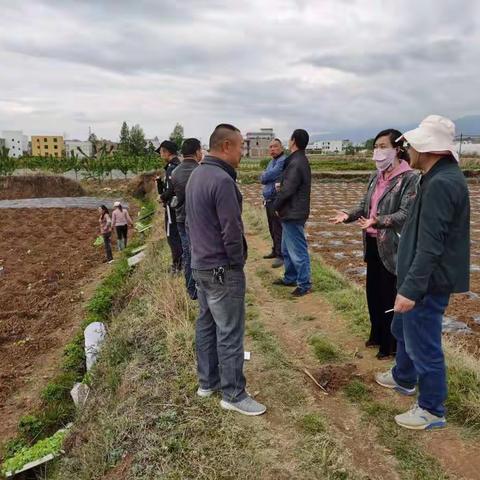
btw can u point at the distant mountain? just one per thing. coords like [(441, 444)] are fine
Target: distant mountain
[(468, 125)]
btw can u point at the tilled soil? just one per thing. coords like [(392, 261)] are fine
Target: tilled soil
[(341, 246), (49, 263)]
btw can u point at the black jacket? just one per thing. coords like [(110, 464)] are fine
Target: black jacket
[(293, 199), (214, 212), (167, 193), (434, 249), (180, 177)]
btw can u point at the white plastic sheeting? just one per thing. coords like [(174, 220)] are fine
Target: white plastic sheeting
[(94, 337)]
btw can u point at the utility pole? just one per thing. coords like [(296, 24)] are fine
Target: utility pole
[(460, 148)]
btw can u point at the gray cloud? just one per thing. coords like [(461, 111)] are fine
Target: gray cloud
[(327, 66)]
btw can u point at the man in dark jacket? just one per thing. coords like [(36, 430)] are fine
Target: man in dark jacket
[(219, 252), (269, 178), (168, 151), (192, 155), (433, 263), (292, 203)]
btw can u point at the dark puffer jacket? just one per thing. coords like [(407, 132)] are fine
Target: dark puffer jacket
[(293, 199)]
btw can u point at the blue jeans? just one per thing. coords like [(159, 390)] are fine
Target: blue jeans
[(419, 352), (295, 255), (186, 260), (219, 334)]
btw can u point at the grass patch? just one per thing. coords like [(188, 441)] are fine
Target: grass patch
[(357, 392), (324, 350), (313, 423), (321, 453), (414, 463), (267, 344), (463, 402)]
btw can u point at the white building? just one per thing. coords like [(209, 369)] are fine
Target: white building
[(16, 142), (77, 147), (330, 146), (470, 145)]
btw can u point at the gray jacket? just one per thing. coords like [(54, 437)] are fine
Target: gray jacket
[(392, 212), (214, 216)]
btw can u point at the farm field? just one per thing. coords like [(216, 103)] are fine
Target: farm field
[(49, 264), (341, 247)]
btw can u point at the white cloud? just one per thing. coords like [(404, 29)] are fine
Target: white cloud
[(326, 66)]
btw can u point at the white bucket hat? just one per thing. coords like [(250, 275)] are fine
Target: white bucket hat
[(435, 134), (117, 204)]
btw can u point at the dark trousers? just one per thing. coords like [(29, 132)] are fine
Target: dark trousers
[(122, 233), (187, 268), (174, 241), (275, 227), (381, 293), (107, 242), (419, 352), (220, 330)]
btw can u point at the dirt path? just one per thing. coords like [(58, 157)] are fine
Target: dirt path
[(293, 322)]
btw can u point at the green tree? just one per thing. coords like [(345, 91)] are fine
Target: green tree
[(350, 150), (138, 144), (369, 144), (177, 135), (7, 163), (124, 144)]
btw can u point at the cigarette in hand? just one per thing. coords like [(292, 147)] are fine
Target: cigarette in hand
[(389, 311)]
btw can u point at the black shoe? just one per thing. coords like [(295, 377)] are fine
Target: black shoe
[(300, 293), (281, 283), (269, 256), (384, 356), (371, 344)]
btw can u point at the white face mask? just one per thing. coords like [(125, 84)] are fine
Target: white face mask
[(384, 158)]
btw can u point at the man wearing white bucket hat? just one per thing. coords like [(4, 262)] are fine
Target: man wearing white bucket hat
[(433, 262)]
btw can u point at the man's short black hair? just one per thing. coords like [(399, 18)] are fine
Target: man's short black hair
[(170, 146), (190, 146), (278, 140), (301, 138), (220, 134)]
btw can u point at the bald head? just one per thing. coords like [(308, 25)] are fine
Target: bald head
[(226, 143)]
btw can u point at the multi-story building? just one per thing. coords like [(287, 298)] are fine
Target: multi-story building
[(47, 145), (330, 146), (256, 143), (78, 147), (16, 142)]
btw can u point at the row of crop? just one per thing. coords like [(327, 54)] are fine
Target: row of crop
[(97, 167)]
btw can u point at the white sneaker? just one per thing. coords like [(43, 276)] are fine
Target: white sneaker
[(247, 406), (419, 419), (386, 380), (206, 392)]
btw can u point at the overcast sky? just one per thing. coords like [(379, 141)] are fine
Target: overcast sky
[(323, 65)]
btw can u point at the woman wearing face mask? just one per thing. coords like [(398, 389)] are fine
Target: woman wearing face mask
[(381, 215)]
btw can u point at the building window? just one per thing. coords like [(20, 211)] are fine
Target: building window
[(55, 147), (45, 139), (55, 139)]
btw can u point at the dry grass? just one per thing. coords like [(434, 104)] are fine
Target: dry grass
[(143, 404)]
